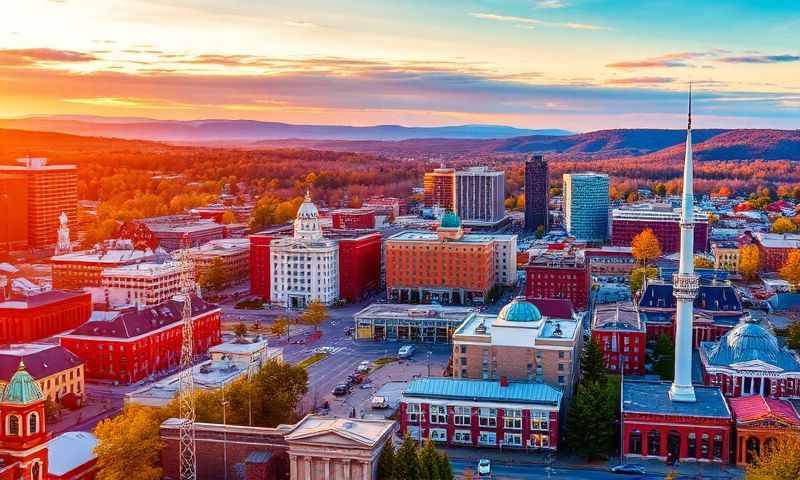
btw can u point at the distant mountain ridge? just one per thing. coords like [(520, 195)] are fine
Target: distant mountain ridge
[(251, 130)]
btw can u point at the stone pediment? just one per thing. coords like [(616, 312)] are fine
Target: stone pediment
[(756, 366), (329, 440)]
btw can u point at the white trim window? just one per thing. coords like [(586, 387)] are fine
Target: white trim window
[(438, 434), (513, 419), (414, 412), (487, 438), (540, 420), (14, 425), (540, 440), (488, 417), (33, 423), (438, 414), (462, 436), (461, 416), (512, 439)]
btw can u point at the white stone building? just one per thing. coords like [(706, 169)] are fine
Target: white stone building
[(304, 268), (138, 284)]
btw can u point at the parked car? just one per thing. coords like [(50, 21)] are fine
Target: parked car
[(341, 390), (379, 401), (299, 341), (484, 467), (355, 378), (363, 367), (406, 351), (628, 468)]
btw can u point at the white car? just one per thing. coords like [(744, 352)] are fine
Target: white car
[(406, 351), (484, 467), (363, 367)]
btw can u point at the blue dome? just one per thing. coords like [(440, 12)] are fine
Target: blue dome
[(22, 388), (450, 220), (520, 310), (750, 341)]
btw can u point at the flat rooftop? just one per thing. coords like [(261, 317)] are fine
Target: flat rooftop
[(38, 299), (653, 398), (434, 236), (416, 312), (209, 375), (111, 257), (147, 269)]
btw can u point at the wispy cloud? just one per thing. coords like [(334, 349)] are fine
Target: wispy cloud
[(668, 60), (535, 21), (761, 59), (640, 80), (33, 56), (300, 24), (550, 4), (682, 59)]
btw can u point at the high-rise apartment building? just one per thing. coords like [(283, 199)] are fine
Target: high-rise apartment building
[(51, 189), (439, 186), (537, 190), (480, 195), (586, 206), (14, 212)]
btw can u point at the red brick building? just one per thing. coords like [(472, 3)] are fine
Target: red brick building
[(259, 265), (353, 219), (478, 413), (128, 346), (774, 248), (389, 206), (41, 315), (359, 266), (609, 261), (760, 422), (628, 222), (621, 335), (654, 426), (558, 276)]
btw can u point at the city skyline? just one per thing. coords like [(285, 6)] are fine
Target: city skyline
[(573, 64)]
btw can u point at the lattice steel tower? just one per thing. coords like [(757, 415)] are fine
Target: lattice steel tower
[(188, 462)]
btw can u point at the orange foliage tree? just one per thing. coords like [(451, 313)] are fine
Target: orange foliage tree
[(645, 246)]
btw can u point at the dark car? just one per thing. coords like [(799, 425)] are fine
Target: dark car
[(341, 390)]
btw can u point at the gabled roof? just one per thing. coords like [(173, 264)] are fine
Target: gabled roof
[(482, 390), (365, 432), (756, 407), (41, 360)]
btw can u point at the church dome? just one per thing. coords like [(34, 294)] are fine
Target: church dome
[(450, 220), (750, 341), (22, 388), (520, 310), (307, 209)]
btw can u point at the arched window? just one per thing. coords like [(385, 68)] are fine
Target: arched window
[(717, 447), (36, 471), (33, 423), (13, 427), (654, 443), (704, 446), (691, 450), (635, 442)]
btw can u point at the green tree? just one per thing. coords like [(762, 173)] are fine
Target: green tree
[(428, 462), (592, 365), (638, 275), (779, 463), (590, 420), (214, 277), (445, 469), (129, 446), (315, 314), (406, 466), (539, 231), (664, 358), (385, 469)]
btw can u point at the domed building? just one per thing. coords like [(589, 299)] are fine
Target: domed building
[(749, 360), (519, 344), (305, 267)]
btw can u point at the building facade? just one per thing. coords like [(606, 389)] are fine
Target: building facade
[(622, 337), (558, 276), (519, 344), (179, 231), (760, 423), (50, 190), (478, 413), (233, 254), (260, 265), (58, 372), (14, 211), (359, 265), (41, 315), (439, 188), (537, 194), (662, 219), (726, 255), (353, 219), (774, 248), (129, 346), (23, 438), (448, 266), (609, 261), (480, 195), (586, 206), (304, 268), (748, 360), (147, 283), (419, 323), (74, 271)]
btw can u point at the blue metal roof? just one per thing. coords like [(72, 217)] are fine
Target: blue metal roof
[(750, 341), (520, 310), (482, 390), (653, 398)]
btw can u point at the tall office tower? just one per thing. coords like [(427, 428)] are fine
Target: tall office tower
[(480, 195), (52, 189), (685, 282), (439, 186), (537, 193), (586, 206), (13, 212)]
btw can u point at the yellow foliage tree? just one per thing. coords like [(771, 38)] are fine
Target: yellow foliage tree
[(779, 463), (790, 271), (228, 217), (784, 225), (645, 246), (749, 262), (702, 262), (129, 446), (316, 313)]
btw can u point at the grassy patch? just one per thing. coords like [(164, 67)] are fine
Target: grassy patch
[(384, 361), (253, 304), (307, 362)]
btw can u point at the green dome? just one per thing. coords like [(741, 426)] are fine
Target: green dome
[(22, 388), (450, 220), (520, 310)]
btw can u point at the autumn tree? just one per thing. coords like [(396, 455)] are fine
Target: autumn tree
[(129, 446), (702, 262), (315, 314), (280, 327), (782, 462), (645, 246), (783, 225), (227, 218), (240, 330), (790, 271), (214, 277), (638, 275), (749, 261)]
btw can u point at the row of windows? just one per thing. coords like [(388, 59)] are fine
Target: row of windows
[(489, 438), (14, 427), (487, 417)]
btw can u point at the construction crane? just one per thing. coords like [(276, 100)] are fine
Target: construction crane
[(188, 461)]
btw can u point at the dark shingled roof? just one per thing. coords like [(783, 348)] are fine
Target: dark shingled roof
[(717, 298), (653, 398), (39, 363), (134, 323)]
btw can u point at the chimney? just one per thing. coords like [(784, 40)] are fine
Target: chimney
[(503, 381)]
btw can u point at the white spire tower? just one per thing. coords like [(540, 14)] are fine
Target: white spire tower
[(685, 283)]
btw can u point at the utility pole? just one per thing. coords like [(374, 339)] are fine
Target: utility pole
[(224, 434), (188, 461)]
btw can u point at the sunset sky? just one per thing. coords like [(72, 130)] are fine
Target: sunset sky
[(573, 64)]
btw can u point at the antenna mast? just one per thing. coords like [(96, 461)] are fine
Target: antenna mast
[(188, 461)]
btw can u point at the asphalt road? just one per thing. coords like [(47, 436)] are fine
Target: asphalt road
[(540, 472)]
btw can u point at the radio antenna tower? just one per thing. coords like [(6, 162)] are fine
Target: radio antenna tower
[(188, 461)]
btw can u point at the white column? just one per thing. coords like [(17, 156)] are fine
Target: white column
[(366, 471), (346, 466), (307, 463), (293, 473), (327, 469)]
